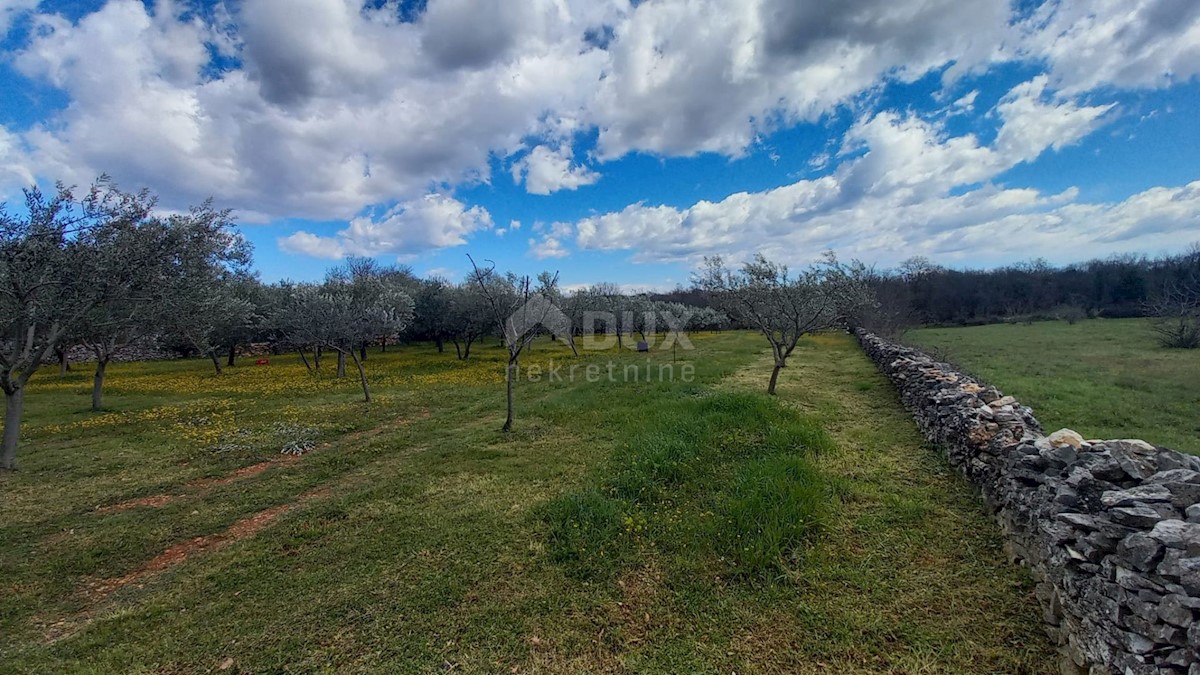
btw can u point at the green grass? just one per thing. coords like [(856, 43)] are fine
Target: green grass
[(812, 532), (725, 474), (1105, 378)]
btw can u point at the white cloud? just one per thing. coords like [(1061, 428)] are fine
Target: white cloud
[(442, 272), (1031, 123), (13, 172), (965, 103), (334, 110), (546, 171), (1123, 43), (895, 196), (337, 109), (547, 247), (551, 243), (435, 221), (10, 10)]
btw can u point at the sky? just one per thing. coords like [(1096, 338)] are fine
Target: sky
[(623, 141)]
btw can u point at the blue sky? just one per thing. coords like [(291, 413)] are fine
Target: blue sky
[(618, 141)]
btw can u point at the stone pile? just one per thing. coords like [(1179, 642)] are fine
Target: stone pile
[(139, 351), (1110, 530)]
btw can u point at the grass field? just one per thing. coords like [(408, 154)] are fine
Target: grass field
[(623, 527), (1105, 378)]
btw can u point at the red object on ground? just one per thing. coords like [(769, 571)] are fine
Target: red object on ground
[(263, 362)]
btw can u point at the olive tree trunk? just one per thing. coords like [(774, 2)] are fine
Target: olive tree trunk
[(510, 376), (212, 354), (341, 363), (14, 404), (774, 378), (362, 377), (98, 384), (307, 365)]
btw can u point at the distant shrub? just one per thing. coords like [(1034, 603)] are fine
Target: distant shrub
[(1072, 314), (1178, 332), (1177, 309)]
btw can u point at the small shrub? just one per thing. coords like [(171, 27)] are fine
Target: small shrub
[(1180, 332), (1072, 314)]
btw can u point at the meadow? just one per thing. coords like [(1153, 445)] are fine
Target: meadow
[(1105, 378), (648, 526)]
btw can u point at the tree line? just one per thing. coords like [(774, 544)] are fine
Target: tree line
[(921, 292)]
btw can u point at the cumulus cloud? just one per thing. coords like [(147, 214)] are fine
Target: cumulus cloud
[(547, 247), (473, 33), (1122, 43), (332, 109), (335, 107), (435, 221), (550, 245), (546, 171), (12, 171), (897, 192), (965, 103)]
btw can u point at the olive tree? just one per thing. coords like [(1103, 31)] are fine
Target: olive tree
[(548, 288), (98, 268), (766, 296), (345, 312), (433, 312), (47, 268), (520, 312), (238, 330), (127, 311), (468, 318)]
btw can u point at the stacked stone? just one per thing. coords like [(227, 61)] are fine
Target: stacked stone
[(138, 351), (1109, 529)]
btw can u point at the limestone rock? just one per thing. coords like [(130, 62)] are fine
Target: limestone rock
[(1142, 494), (1002, 401), (1140, 551), (1178, 534), (1189, 577), (1135, 457), (1065, 437), (1136, 516), (1178, 610)]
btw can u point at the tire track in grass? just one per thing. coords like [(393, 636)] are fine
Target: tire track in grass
[(97, 591), (178, 553)]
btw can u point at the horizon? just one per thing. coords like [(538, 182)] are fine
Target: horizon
[(621, 142)]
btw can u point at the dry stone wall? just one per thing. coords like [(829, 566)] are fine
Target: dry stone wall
[(1109, 529)]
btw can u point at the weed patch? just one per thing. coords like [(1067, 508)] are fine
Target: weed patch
[(730, 468)]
